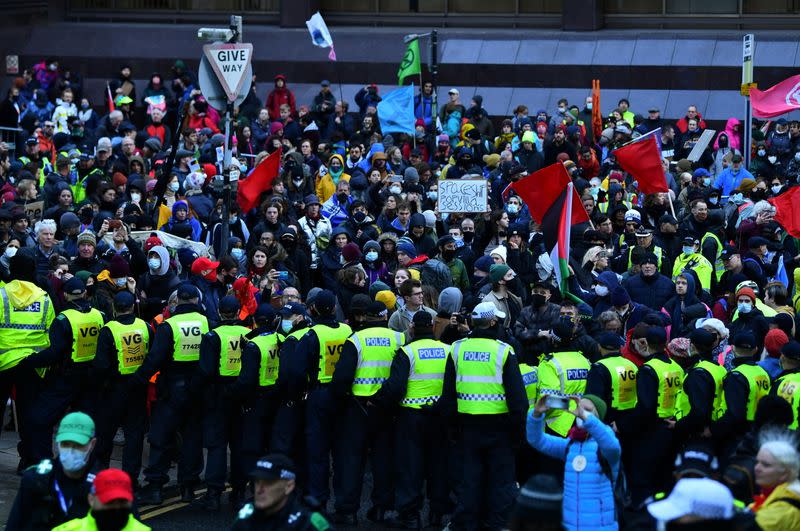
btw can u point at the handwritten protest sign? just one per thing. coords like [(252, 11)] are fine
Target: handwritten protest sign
[(34, 211), (463, 195), (170, 241)]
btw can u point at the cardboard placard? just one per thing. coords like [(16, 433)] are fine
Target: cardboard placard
[(463, 195)]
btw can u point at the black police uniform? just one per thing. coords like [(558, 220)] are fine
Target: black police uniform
[(47, 497)]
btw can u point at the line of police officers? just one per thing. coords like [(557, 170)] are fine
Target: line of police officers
[(311, 386)]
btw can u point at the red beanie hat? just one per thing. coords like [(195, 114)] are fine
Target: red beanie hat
[(774, 340), (747, 292)]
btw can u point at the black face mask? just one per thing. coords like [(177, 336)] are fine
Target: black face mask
[(359, 217), (448, 254), (111, 519), (758, 195), (538, 300), (341, 197), (468, 237)]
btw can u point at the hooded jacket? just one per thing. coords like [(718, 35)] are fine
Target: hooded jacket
[(157, 285), (326, 185), (278, 97)]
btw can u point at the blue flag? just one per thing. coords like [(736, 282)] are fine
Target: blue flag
[(396, 111)]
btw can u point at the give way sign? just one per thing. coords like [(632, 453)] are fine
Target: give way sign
[(229, 62)]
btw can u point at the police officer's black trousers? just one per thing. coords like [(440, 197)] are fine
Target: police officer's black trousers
[(257, 425), (175, 411), (60, 392), (321, 417), (222, 426), (421, 456), (652, 462), (487, 488), (287, 435), (363, 429), (27, 386), (129, 411)]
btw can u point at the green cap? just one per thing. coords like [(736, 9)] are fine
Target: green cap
[(599, 405), (76, 427)]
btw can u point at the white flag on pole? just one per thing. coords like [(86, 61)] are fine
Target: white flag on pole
[(320, 35)]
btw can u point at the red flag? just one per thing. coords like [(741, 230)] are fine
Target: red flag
[(643, 161), (541, 189), (787, 213), (110, 99), (782, 98), (259, 181)]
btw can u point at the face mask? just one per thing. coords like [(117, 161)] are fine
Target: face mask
[(744, 307), (297, 182), (395, 189), (723, 143), (772, 159), (111, 519), (286, 325), (512, 208), (601, 290), (688, 250), (562, 110), (237, 253), (120, 282), (737, 198), (359, 217), (797, 156), (73, 459), (154, 263), (761, 152), (372, 256), (174, 186), (459, 242), (84, 106), (469, 236), (433, 195), (341, 197), (538, 300), (589, 106), (579, 422), (136, 197), (775, 189), (10, 251), (448, 254), (713, 200), (707, 181)]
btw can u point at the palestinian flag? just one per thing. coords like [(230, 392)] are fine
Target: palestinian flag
[(554, 203)]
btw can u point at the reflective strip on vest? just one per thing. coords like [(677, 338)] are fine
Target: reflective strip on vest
[(479, 366), (331, 341), (563, 374), (25, 330), (231, 344), (131, 342), (719, 266), (789, 390), (670, 386), (623, 382), (530, 379), (375, 349), (85, 331), (427, 359), (187, 332), (268, 346)]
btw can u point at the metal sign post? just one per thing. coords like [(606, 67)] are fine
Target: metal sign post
[(748, 50)]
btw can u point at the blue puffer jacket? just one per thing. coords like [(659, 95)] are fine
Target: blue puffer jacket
[(588, 495)]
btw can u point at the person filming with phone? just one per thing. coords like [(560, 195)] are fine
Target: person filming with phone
[(591, 453)]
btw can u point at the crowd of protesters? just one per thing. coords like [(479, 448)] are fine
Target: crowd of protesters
[(701, 279)]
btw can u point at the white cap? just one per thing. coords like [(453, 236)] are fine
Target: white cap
[(453, 91), (701, 497), (487, 310), (632, 214)]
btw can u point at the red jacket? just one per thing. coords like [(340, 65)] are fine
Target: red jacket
[(199, 121), (278, 97), (683, 123)]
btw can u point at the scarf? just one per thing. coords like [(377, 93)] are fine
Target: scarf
[(577, 434), (244, 292)]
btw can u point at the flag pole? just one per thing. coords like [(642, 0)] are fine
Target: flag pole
[(672, 208)]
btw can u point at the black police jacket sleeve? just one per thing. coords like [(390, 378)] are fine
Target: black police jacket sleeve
[(516, 398), (345, 371), (60, 348), (247, 382), (449, 405), (21, 511), (699, 388), (646, 396), (105, 362), (208, 365), (160, 353), (394, 388), (732, 421), (599, 382), (303, 368)]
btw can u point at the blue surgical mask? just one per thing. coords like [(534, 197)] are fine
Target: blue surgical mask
[(154, 263), (174, 186), (120, 282), (777, 188), (73, 459), (395, 189), (797, 156), (737, 198), (459, 242), (286, 325), (688, 250), (706, 181), (744, 307), (233, 219), (237, 253), (372, 256), (433, 195), (512, 208), (713, 200), (761, 152)]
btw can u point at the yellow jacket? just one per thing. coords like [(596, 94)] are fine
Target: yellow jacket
[(325, 186), (777, 515)]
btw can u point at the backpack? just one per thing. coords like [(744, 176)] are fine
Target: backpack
[(619, 485), (435, 273)]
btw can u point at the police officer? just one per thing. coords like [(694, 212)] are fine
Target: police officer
[(257, 385), (562, 373), (288, 424), (22, 333), (483, 379), (219, 367), (700, 402), (55, 490), (318, 352), (415, 382), (364, 424), (742, 390), (121, 348), (73, 345), (658, 389), (175, 352), (613, 378), (527, 460), (276, 505), (787, 385)]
